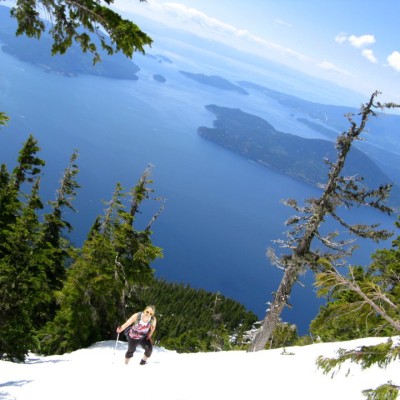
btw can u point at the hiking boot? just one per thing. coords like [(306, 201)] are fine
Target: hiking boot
[(142, 362)]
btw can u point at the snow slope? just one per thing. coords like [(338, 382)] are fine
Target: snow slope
[(99, 373)]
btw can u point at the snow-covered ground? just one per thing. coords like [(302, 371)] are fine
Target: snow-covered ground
[(99, 373)]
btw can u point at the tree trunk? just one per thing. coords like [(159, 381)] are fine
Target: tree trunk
[(290, 277)]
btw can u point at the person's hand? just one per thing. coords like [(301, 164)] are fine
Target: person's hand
[(119, 329), (149, 339)]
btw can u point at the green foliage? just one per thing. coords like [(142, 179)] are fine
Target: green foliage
[(366, 356), (366, 303), (22, 275), (55, 225), (345, 316), (28, 164), (22, 281), (32, 253), (9, 203), (306, 340), (3, 118), (348, 314), (387, 391), (77, 21), (192, 320), (284, 335), (381, 354), (114, 263)]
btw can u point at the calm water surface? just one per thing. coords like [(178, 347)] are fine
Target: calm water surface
[(222, 211)]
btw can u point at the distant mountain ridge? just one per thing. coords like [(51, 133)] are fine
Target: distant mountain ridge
[(302, 159)]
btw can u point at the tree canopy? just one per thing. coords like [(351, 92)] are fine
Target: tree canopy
[(81, 21)]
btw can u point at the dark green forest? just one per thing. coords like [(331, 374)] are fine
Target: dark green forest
[(57, 298)]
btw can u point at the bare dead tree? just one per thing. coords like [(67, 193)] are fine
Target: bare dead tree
[(305, 227)]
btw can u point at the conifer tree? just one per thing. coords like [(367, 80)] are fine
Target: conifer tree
[(9, 204), (54, 224), (53, 244), (114, 262), (21, 274), (372, 298), (22, 280), (79, 21), (338, 192), (28, 167)]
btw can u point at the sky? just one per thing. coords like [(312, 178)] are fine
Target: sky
[(355, 44), (99, 373)]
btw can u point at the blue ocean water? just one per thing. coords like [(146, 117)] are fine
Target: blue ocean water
[(222, 211)]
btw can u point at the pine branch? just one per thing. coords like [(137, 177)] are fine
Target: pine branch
[(352, 285), (382, 355)]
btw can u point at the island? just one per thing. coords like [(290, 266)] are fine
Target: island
[(303, 159), (215, 81)]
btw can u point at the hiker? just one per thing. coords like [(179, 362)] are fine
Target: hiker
[(138, 330)]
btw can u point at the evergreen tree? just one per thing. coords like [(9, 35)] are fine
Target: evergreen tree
[(338, 192), (77, 21), (9, 204), (22, 280), (371, 298), (29, 165), (114, 262), (55, 248), (54, 225), (11, 195)]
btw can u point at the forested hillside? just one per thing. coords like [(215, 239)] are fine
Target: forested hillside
[(192, 320)]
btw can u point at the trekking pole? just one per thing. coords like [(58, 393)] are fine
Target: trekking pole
[(115, 348)]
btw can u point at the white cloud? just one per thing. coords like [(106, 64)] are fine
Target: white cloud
[(180, 16), (394, 60), (197, 22), (205, 25), (361, 41), (328, 66), (355, 41), (341, 38), (369, 55)]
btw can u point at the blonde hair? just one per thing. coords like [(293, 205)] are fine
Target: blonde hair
[(152, 307)]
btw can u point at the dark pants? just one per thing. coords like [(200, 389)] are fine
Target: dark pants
[(144, 342)]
